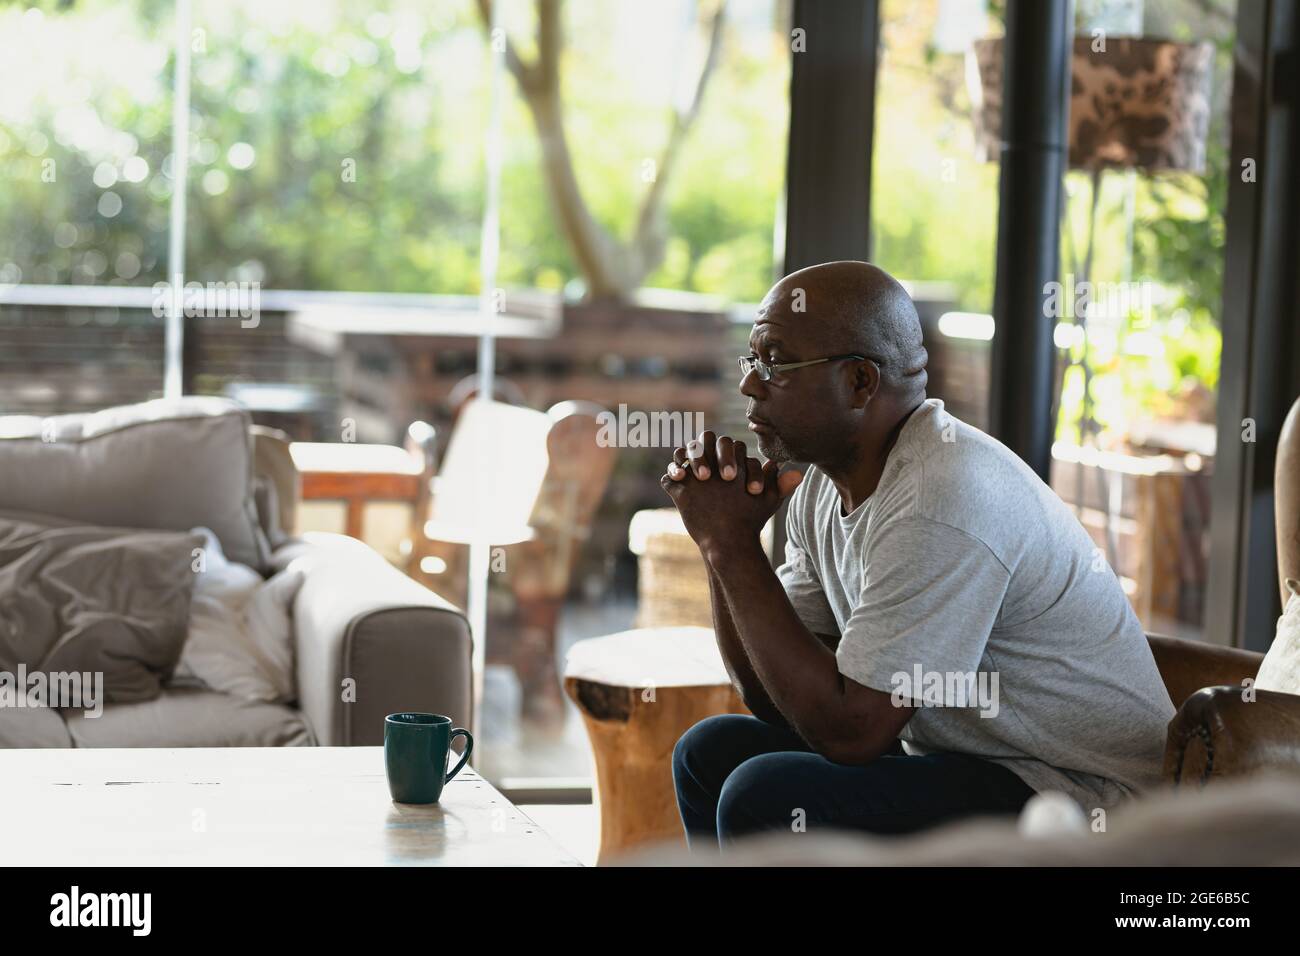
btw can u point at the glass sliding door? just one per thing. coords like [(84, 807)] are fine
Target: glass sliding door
[(640, 195), (1142, 279)]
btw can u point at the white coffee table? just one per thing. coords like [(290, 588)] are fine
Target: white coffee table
[(264, 806)]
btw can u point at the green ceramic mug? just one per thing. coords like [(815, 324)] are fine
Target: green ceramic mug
[(416, 747)]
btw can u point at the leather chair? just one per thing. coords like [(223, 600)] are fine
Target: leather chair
[(1216, 733)]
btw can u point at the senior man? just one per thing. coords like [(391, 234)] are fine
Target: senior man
[(943, 638)]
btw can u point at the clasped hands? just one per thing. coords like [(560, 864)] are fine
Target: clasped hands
[(724, 496)]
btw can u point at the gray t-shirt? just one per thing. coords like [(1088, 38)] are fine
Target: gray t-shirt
[(964, 584)]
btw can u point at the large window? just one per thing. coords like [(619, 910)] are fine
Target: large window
[(339, 162), (1135, 434), (1136, 425), (84, 165), (642, 191), (341, 158)]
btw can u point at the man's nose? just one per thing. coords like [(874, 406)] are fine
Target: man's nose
[(751, 386)]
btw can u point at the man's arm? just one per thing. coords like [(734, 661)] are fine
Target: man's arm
[(839, 718), (759, 631), (747, 683)]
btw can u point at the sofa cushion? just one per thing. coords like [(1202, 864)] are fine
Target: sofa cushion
[(171, 464), (190, 717), (32, 727), (240, 639), (80, 600)]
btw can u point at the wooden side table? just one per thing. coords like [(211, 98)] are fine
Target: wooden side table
[(638, 692), (356, 474)]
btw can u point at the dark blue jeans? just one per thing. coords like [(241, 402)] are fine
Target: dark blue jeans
[(737, 775)]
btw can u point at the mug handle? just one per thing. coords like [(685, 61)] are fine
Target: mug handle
[(469, 749)]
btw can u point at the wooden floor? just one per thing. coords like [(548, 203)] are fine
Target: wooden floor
[(287, 806)]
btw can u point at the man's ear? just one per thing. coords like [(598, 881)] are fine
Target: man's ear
[(866, 382)]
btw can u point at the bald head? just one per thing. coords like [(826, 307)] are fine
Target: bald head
[(848, 306)]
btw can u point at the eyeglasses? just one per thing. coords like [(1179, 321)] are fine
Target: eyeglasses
[(748, 363)]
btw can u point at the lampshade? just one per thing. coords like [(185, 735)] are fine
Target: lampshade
[(491, 475), (1141, 104)]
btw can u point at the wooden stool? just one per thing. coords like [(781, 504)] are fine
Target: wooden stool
[(638, 692)]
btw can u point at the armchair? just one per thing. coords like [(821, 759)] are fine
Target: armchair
[(1218, 731)]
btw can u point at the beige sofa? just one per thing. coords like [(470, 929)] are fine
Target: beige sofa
[(358, 623)]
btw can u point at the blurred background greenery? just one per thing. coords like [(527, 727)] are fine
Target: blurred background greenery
[(339, 146)]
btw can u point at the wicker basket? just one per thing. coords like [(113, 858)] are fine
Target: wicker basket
[(673, 587)]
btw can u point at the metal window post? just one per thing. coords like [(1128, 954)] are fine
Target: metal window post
[(1035, 105)]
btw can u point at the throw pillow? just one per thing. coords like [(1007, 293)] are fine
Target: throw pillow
[(240, 629)]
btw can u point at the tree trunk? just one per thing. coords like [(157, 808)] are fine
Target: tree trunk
[(610, 267)]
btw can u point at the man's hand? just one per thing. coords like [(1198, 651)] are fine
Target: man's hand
[(722, 494)]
